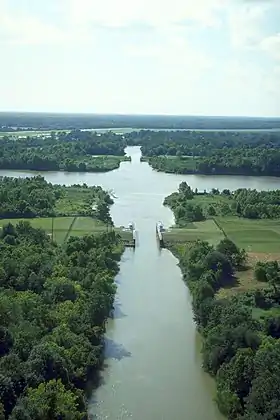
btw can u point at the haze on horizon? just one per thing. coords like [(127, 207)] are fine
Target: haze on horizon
[(176, 57)]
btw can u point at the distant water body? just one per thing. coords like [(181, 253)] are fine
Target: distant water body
[(129, 129)]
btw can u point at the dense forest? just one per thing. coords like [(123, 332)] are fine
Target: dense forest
[(210, 153), (241, 346), (194, 206), (240, 331), (54, 302), (243, 161), (199, 143), (184, 152), (79, 151), (46, 121), (35, 197)]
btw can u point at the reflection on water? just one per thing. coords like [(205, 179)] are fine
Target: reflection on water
[(115, 350)]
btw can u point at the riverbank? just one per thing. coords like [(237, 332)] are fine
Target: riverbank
[(61, 211), (94, 164), (255, 229), (259, 239), (239, 329), (235, 163), (32, 197), (75, 151), (248, 217), (210, 153), (235, 293), (254, 236), (152, 348), (55, 302)]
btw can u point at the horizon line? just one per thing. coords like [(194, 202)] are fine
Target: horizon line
[(138, 114)]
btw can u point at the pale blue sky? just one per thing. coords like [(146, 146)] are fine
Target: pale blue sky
[(207, 57)]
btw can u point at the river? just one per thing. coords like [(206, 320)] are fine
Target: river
[(153, 365)]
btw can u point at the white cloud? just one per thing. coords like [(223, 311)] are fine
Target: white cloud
[(174, 50), (245, 23), (152, 12), (271, 45), (272, 83), (179, 69), (23, 28), (258, 86), (78, 18)]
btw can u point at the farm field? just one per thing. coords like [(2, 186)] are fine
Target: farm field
[(64, 227), (258, 236)]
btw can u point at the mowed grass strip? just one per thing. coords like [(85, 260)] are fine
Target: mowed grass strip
[(205, 231), (253, 235)]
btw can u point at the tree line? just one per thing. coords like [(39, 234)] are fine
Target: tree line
[(210, 153), (194, 206), (241, 346), (187, 152), (243, 161), (51, 121), (199, 143), (54, 302), (35, 197), (79, 151)]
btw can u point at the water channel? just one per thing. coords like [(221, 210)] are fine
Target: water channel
[(153, 365)]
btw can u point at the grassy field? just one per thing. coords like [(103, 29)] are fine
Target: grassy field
[(245, 280), (86, 225), (259, 236), (74, 201), (206, 231), (255, 236), (63, 227), (210, 199), (261, 241)]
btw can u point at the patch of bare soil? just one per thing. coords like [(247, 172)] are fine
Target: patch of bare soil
[(245, 280), (254, 257)]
